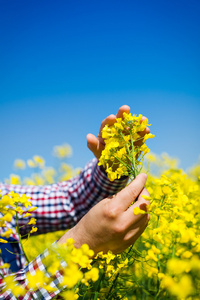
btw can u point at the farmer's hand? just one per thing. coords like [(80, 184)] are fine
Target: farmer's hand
[(111, 224), (96, 144)]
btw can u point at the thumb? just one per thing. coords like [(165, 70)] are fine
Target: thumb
[(129, 194), (94, 145)]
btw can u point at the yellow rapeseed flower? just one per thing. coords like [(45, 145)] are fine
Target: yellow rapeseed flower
[(34, 229), (32, 221), (138, 211), (122, 154), (62, 151), (69, 295), (19, 164)]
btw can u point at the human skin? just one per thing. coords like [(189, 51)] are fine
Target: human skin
[(111, 224), (96, 144)]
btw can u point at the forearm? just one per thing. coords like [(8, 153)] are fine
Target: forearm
[(60, 206)]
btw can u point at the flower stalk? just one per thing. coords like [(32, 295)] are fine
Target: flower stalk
[(124, 147)]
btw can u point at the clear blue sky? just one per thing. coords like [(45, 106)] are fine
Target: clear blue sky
[(65, 65)]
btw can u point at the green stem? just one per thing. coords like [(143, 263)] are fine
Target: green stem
[(133, 155), (20, 240), (158, 263), (143, 288), (174, 248), (96, 295), (110, 290), (138, 253), (121, 161), (128, 150), (114, 281), (99, 285)]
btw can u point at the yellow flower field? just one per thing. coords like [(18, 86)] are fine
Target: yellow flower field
[(164, 263)]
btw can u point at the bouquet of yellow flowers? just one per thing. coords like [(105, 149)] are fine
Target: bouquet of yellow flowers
[(124, 146)]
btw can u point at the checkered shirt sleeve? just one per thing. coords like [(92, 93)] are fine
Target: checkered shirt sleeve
[(59, 206), (20, 278)]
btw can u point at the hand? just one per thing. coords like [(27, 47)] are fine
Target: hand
[(111, 224), (96, 144)]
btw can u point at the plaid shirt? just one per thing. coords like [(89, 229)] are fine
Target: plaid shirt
[(59, 206)]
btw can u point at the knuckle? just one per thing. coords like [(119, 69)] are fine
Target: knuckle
[(119, 228), (111, 211)]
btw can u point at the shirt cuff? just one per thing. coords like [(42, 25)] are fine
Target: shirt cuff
[(108, 186)]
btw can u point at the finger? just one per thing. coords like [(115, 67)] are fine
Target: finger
[(95, 145), (139, 142), (126, 196), (146, 130), (130, 218), (141, 200), (122, 109), (110, 120), (133, 234)]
